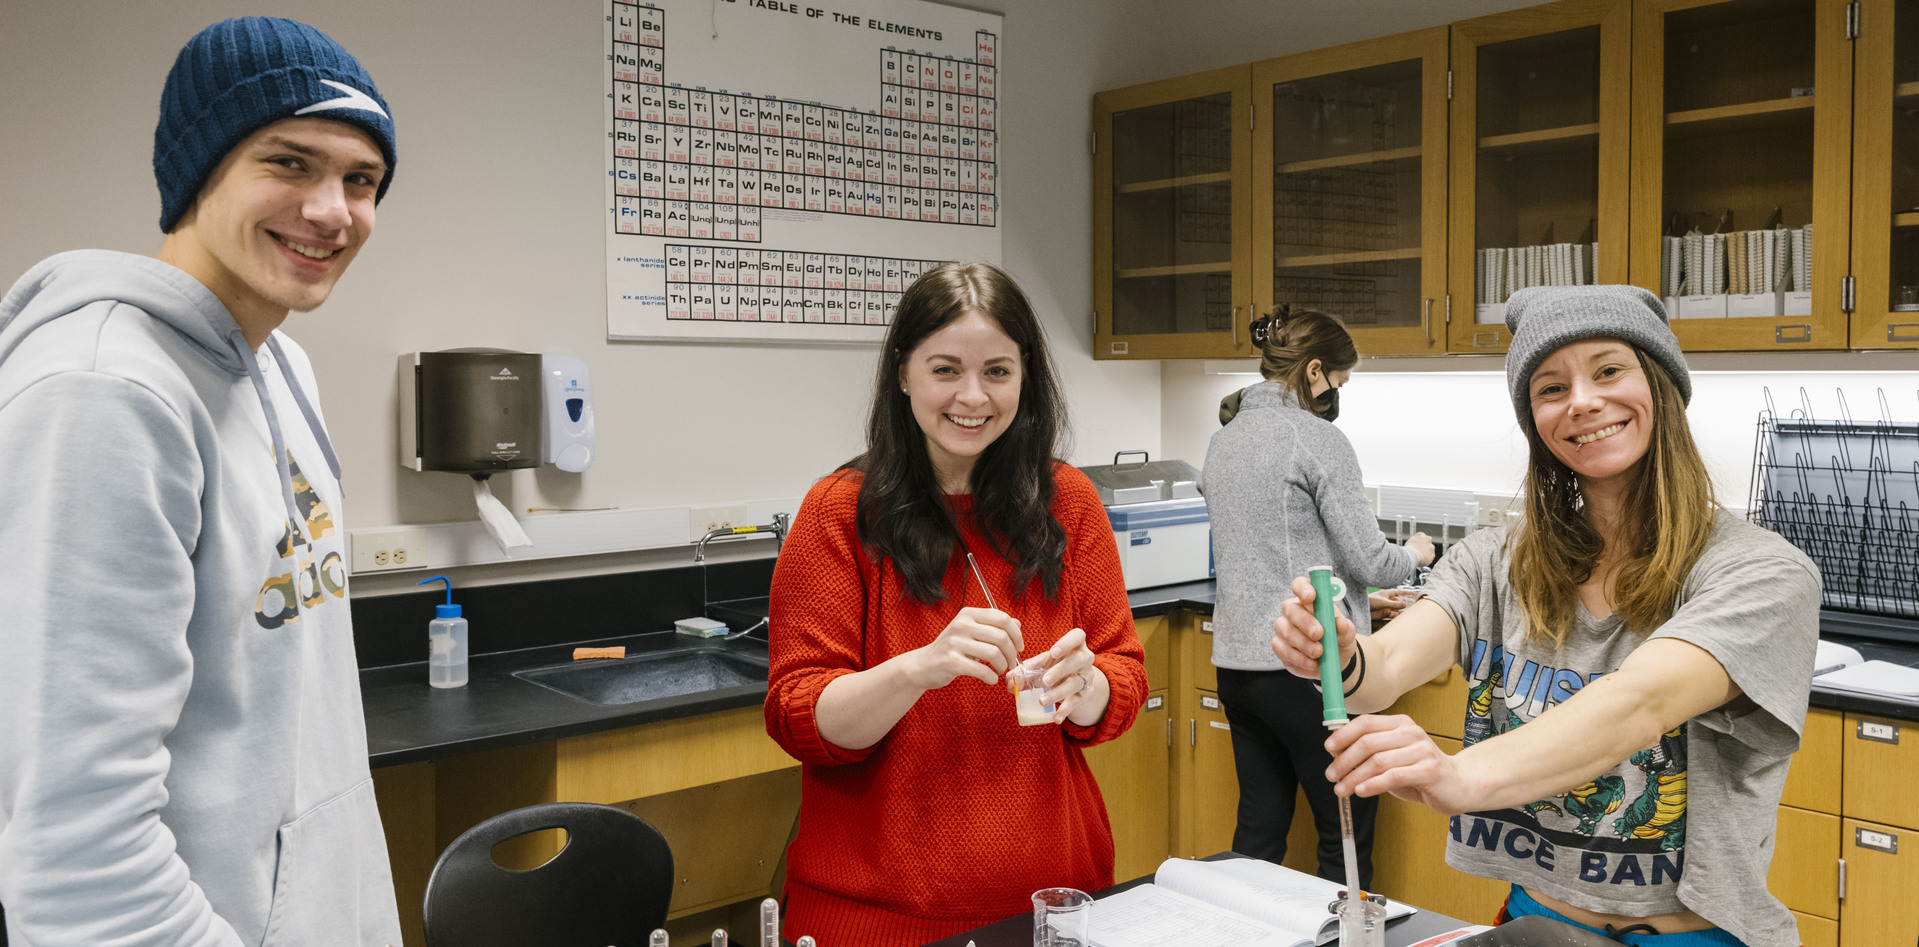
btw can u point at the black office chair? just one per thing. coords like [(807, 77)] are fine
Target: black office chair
[(609, 885)]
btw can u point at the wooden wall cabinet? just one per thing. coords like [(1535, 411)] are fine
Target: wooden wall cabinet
[(1885, 205), (1349, 188), (1540, 158), (1171, 185), (1389, 179), (1742, 121)]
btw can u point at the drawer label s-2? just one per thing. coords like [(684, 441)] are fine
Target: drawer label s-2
[(1878, 841)]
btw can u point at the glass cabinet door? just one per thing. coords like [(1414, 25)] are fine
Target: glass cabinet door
[(1886, 177), (1541, 158), (1349, 204), (1169, 219), (1742, 126)]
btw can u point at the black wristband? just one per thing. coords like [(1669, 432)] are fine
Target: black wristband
[(1359, 658)]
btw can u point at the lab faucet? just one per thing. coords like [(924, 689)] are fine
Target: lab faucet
[(777, 528)]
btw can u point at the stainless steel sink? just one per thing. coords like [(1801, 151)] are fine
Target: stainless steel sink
[(652, 676)]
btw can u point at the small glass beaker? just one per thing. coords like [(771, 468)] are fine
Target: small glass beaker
[(1031, 709), (1907, 298), (1062, 917), (1365, 927)]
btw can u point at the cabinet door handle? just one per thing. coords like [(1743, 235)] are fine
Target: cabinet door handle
[(1235, 328), (1192, 731), (1426, 319), (1169, 733)]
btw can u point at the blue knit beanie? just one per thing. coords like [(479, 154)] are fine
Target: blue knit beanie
[(239, 75)]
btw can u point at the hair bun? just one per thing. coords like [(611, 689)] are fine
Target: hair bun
[(1262, 327)]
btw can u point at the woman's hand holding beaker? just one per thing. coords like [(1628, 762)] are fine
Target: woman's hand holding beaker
[(1070, 674)]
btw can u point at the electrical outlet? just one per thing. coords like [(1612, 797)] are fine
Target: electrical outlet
[(705, 519), (1497, 509), (374, 551)]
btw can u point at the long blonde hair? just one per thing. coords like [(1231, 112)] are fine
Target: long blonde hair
[(1672, 512)]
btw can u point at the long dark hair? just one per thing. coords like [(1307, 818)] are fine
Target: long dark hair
[(902, 512), (1289, 339)]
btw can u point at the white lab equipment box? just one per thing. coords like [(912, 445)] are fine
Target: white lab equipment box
[(1159, 520)]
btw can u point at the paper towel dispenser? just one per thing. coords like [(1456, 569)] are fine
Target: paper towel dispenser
[(471, 411)]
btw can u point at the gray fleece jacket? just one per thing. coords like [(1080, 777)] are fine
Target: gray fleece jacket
[(182, 752), (1284, 494)]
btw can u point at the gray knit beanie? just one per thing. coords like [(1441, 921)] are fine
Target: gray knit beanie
[(1544, 319)]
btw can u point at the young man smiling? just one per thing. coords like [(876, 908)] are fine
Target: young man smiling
[(182, 754)]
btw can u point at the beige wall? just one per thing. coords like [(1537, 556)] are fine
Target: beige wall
[(491, 236)]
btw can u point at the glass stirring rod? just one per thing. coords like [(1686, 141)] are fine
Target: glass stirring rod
[(1332, 696), (990, 604)]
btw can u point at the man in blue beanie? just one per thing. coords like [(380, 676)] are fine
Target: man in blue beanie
[(182, 753)]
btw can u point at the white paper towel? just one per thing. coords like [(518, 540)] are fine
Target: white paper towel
[(494, 516)]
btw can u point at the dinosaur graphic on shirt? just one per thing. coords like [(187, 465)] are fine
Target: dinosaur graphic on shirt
[(1660, 810)]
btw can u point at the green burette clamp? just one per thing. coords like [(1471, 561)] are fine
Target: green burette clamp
[(1326, 590)]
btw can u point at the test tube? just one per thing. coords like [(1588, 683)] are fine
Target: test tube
[(770, 923)]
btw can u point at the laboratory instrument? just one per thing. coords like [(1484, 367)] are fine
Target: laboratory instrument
[(770, 923), (1159, 520), (445, 641), (1327, 589), (1062, 917), (1026, 682)]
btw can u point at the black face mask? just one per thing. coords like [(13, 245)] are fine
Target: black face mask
[(1328, 402)]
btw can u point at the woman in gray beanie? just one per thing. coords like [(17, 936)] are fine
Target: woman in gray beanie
[(1283, 487), (1638, 659)]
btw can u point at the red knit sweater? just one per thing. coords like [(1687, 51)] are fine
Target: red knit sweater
[(959, 814)]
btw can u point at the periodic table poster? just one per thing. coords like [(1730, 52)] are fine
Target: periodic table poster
[(780, 171)]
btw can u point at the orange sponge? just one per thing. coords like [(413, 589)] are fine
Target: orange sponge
[(617, 651)]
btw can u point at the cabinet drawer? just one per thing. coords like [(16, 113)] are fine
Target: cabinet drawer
[(1882, 872), (1881, 767), (1816, 931), (1813, 781), (1805, 862)]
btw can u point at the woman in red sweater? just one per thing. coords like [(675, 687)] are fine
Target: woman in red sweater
[(925, 809)]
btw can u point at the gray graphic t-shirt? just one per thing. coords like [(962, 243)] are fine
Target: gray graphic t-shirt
[(1688, 822)]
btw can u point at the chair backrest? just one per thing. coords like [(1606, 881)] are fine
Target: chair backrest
[(609, 885)]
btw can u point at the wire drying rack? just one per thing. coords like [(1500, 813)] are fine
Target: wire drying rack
[(1846, 492)]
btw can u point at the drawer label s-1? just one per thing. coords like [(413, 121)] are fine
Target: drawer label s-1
[(1879, 731)]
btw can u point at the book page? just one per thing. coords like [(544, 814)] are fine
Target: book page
[(1274, 895), (1152, 916)]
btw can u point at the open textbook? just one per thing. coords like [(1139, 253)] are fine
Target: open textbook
[(1239, 901)]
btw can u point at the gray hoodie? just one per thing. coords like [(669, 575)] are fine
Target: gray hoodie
[(1284, 494), (182, 752)]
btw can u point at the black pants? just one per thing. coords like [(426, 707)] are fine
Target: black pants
[(1279, 745)]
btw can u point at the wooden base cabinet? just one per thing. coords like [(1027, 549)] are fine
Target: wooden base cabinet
[(1881, 908)]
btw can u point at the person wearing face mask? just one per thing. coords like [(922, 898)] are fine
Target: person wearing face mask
[(1638, 659), (926, 809), (1284, 493)]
